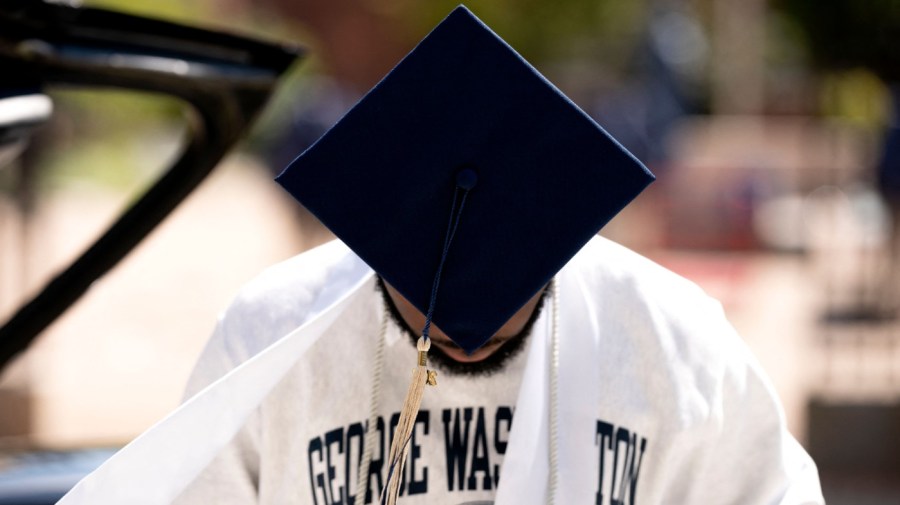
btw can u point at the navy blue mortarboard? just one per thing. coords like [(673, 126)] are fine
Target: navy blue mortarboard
[(465, 160)]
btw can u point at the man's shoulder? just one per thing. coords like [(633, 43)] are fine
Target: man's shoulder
[(285, 295), (654, 317), (613, 266), (278, 301), (298, 276)]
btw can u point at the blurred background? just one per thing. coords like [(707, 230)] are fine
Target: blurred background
[(773, 127)]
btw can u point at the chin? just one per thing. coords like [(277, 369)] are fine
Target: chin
[(461, 357)]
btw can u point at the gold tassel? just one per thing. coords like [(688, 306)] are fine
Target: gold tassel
[(403, 432)]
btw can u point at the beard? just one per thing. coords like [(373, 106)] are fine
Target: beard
[(490, 365)]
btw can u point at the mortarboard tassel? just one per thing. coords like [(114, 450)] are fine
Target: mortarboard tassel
[(465, 181), (400, 444)]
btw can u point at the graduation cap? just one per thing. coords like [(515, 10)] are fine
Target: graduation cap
[(465, 166), (466, 180)]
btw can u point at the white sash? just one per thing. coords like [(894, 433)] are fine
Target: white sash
[(159, 464), (525, 474)]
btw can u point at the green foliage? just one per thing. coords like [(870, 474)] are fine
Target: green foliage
[(170, 10), (112, 138), (857, 96), (544, 30), (850, 33)]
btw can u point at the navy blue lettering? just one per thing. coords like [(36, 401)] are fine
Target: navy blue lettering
[(418, 486), (603, 438), (316, 479), (456, 445), (622, 437), (334, 437), (504, 415), (630, 471), (480, 459), (335, 458), (627, 454), (355, 430)]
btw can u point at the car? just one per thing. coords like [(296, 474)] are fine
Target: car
[(226, 79)]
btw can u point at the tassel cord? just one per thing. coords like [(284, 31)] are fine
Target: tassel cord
[(403, 431), (448, 238), (554, 398)]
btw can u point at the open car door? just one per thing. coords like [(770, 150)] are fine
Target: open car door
[(224, 79)]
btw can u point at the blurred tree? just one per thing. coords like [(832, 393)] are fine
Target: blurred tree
[(544, 30), (171, 10), (355, 43), (842, 34)]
